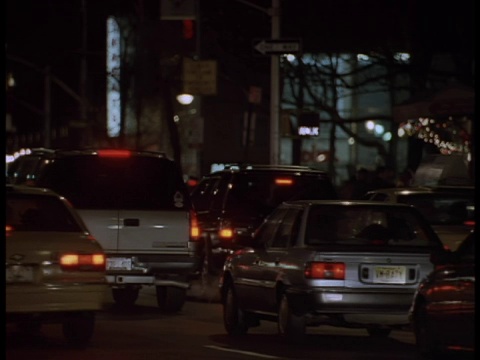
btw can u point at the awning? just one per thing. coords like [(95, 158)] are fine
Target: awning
[(452, 101)]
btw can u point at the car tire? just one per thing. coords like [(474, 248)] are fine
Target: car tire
[(378, 332), (170, 299), (423, 333), (78, 328), (234, 319), (290, 326), (125, 297)]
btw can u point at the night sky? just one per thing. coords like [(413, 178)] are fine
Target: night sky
[(48, 32)]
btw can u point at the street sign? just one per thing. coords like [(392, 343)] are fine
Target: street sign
[(277, 46)]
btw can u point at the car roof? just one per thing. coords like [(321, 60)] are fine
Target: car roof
[(347, 203), (251, 168), (29, 190), (424, 190)]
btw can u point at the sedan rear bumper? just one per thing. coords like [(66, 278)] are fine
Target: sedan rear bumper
[(25, 299)]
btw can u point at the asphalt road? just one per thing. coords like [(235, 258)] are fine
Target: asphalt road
[(197, 333)]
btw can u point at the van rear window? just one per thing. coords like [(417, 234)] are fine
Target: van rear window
[(141, 183)]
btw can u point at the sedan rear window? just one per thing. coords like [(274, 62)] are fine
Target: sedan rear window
[(39, 213)]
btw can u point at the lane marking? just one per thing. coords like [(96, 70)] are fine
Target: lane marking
[(241, 352)]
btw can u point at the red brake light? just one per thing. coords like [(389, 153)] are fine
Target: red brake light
[(469, 223), (283, 181), (94, 262), (114, 153), (325, 270)]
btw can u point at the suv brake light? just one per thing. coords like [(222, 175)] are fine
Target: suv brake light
[(325, 270), (93, 262), (194, 228), (114, 153), (226, 233)]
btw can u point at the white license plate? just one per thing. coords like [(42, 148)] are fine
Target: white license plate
[(19, 274), (390, 274), (119, 264)]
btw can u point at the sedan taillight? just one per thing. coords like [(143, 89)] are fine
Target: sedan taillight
[(325, 270), (75, 262)]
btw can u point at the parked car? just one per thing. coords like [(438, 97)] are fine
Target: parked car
[(449, 209), (54, 267), (137, 205), (233, 202), (340, 263), (443, 308)]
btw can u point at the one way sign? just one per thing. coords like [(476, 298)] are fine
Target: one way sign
[(277, 46)]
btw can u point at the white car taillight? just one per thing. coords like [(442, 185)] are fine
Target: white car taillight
[(74, 262), (325, 270)]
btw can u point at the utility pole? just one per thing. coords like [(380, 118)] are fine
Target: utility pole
[(83, 78), (47, 108), (275, 89), (274, 13)]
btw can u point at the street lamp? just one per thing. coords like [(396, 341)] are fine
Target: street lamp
[(185, 99)]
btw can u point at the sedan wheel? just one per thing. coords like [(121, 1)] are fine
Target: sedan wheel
[(290, 326), (233, 317)]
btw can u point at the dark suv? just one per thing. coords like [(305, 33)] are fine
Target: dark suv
[(231, 203), (137, 206)]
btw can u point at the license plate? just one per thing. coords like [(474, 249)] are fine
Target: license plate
[(119, 264), (19, 274), (390, 274)]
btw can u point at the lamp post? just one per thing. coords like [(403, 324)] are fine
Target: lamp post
[(274, 13)]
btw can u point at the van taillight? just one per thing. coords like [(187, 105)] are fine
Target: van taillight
[(73, 262), (194, 228), (325, 270), (114, 153)]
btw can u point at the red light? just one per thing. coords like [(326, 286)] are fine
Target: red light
[(188, 30), (115, 153), (192, 182), (283, 181), (469, 223), (325, 270)]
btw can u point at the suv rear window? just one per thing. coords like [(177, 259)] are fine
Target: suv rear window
[(91, 182), (265, 191)]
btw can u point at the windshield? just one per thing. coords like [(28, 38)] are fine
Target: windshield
[(367, 225), (443, 208)]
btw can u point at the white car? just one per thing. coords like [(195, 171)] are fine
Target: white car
[(55, 269), (449, 209)]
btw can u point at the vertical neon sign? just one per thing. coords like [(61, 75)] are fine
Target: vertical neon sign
[(113, 78)]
